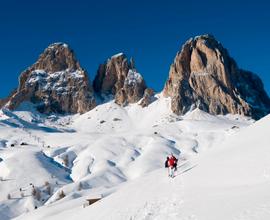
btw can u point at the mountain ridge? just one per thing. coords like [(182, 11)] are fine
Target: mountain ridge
[(56, 83), (203, 75)]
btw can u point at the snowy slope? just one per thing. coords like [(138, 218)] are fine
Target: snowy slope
[(231, 182), (98, 153)]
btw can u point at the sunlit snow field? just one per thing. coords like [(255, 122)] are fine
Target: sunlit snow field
[(117, 154)]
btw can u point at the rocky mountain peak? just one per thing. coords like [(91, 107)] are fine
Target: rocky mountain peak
[(203, 75), (55, 83), (119, 77), (57, 57)]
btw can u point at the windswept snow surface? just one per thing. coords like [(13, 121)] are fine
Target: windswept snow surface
[(118, 154)]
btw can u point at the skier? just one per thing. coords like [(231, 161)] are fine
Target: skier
[(175, 162), (172, 164), (167, 165)]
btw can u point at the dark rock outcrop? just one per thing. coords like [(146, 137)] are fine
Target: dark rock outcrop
[(118, 77), (2, 102), (203, 75), (55, 83), (148, 97)]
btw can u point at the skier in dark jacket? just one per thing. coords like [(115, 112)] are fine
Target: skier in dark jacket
[(167, 165), (166, 162)]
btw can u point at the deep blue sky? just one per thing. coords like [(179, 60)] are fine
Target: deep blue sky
[(150, 31)]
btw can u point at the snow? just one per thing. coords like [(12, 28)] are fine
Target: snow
[(118, 153), (53, 81), (117, 55), (133, 78), (58, 44)]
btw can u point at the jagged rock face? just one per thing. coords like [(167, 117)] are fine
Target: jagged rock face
[(119, 78), (203, 75), (148, 97), (56, 83)]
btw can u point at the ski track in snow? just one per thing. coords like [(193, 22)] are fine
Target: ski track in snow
[(169, 206)]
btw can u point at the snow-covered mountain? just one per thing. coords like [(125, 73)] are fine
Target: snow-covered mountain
[(98, 153), (64, 141), (119, 78), (203, 76), (55, 83)]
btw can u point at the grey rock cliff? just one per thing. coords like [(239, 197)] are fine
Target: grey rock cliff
[(118, 77), (203, 75), (55, 83)]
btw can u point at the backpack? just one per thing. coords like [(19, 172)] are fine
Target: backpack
[(166, 164)]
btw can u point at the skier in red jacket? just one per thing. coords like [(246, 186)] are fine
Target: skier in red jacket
[(172, 164)]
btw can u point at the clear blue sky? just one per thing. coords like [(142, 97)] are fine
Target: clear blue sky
[(150, 31)]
